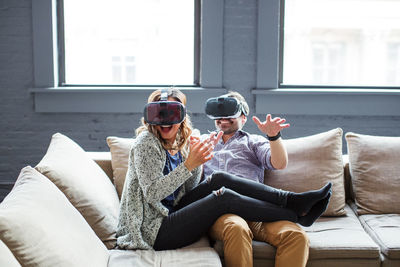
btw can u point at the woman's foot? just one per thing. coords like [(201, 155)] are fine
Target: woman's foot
[(301, 203), (316, 211)]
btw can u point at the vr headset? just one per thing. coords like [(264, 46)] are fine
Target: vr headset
[(164, 112), (224, 107)]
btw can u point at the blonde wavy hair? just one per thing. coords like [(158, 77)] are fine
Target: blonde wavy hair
[(185, 130)]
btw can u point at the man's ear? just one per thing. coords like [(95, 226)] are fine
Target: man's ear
[(244, 119)]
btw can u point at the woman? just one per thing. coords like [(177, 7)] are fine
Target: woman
[(163, 206)]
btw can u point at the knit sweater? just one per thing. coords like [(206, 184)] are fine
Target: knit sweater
[(141, 211)]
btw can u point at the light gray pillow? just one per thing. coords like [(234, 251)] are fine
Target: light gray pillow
[(84, 183), (313, 161), (41, 227), (375, 172)]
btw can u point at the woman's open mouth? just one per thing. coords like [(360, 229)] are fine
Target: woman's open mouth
[(166, 128)]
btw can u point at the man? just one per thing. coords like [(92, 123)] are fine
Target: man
[(247, 155)]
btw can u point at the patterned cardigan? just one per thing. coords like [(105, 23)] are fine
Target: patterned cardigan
[(141, 211)]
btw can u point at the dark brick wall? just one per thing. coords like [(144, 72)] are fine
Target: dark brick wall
[(24, 134)]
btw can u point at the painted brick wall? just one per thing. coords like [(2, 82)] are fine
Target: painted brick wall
[(25, 135)]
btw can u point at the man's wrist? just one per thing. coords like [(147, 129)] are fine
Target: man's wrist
[(273, 138)]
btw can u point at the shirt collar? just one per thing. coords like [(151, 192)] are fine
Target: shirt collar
[(237, 135)]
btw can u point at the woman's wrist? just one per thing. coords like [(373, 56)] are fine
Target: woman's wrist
[(188, 165)]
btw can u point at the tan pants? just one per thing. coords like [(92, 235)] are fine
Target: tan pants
[(290, 240)]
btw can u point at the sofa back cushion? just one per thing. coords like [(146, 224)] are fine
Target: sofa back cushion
[(41, 227), (375, 172), (313, 161), (119, 148), (84, 183)]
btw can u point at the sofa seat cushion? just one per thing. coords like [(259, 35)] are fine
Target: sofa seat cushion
[(330, 238), (84, 183), (41, 227), (385, 230), (198, 254), (261, 250), (340, 237)]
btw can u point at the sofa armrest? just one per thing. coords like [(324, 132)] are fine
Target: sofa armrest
[(103, 159)]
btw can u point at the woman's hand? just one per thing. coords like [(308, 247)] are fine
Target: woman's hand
[(271, 127), (201, 151)]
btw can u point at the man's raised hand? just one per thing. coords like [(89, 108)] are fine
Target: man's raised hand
[(271, 126)]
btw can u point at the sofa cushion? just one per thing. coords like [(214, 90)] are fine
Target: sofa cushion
[(313, 161), (340, 237), (197, 254), (334, 241), (6, 257), (41, 227), (103, 159), (84, 183), (385, 230), (119, 148), (375, 172)]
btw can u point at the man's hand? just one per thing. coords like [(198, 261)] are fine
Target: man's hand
[(201, 151), (271, 127), (213, 138)]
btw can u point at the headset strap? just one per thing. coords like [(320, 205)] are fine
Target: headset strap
[(164, 95)]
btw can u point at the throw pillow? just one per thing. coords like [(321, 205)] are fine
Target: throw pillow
[(6, 257), (84, 183), (313, 161), (41, 227), (375, 172), (120, 148)]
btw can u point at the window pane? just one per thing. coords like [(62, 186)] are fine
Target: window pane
[(341, 42), (144, 42)]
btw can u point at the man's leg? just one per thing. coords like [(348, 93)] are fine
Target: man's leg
[(237, 237), (290, 240)]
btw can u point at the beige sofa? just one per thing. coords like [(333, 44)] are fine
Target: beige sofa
[(63, 212)]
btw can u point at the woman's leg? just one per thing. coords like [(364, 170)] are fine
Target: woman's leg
[(301, 203), (188, 224), (242, 186)]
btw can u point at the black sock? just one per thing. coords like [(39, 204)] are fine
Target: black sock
[(301, 203), (316, 211)]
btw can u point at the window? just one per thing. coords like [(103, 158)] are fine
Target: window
[(352, 43), (327, 62), (52, 94), (128, 42), (123, 69), (393, 58), (307, 78)]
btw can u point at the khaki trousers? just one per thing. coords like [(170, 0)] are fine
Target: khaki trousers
[(290, 240)]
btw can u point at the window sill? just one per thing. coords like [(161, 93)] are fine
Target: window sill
[(110, 99), (352, 102)]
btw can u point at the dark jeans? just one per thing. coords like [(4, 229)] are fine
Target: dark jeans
[(200, 208)]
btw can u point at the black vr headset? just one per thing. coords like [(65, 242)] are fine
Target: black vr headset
[(224, 107), (164, 112)]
